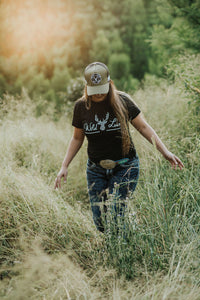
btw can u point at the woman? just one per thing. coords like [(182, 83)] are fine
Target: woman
[(102, 115)]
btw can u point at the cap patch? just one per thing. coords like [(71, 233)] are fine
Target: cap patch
[(96, 78)]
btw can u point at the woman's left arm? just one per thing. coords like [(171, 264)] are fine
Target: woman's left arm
[(149, 133)]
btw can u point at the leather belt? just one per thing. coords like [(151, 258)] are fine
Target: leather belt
[(110, 164)]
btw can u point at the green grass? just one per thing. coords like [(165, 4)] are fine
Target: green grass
[(49, 247)]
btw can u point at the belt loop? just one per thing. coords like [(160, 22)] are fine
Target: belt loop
[(92, 163), (109, 172)]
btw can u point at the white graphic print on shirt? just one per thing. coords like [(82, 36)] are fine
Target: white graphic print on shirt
[(104, 124)]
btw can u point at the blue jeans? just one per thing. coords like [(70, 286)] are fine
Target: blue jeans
[(121, 180)]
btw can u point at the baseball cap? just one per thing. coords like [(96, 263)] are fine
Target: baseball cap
[(97, 78)]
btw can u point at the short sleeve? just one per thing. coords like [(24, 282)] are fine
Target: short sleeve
[(76, 120), (133, 109)]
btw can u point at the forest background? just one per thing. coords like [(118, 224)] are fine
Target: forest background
[(49, 246), (45, 45)]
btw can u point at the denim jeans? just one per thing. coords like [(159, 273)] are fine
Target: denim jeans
[(120, 180)]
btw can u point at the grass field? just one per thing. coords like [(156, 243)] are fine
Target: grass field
[(49, 247)]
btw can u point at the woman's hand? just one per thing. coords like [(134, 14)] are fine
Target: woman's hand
[(174, 160), (149, 133), (74, 146), (62, 173)]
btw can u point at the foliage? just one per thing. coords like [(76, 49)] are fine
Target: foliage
[(45, 54), (75, 89), (186, 69), (100, 48), (119, 66), (172, 38)]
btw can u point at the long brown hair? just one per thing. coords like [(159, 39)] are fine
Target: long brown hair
[(120, 112)]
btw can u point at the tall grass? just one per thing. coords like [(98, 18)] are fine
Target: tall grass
[(49, 246)]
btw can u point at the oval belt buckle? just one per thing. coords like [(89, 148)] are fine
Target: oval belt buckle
[(107, 164), (110, 164)]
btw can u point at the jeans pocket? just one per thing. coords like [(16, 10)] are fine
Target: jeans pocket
[(90, 165)]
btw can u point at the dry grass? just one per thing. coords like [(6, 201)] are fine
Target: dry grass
[(49, 247)]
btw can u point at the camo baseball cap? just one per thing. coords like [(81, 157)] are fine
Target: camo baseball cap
[(97, 78)]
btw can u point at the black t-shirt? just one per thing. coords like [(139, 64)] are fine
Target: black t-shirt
[(102, 128)]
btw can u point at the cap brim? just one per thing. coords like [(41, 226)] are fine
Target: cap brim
[(99, 89)]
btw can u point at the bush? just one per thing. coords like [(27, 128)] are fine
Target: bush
[(38, 84), (75, 89), (2, 85), (119, 65), (100, 48), (185, 71), (60, 80)]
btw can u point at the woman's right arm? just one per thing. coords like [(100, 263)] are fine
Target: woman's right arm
[(74, 146)]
